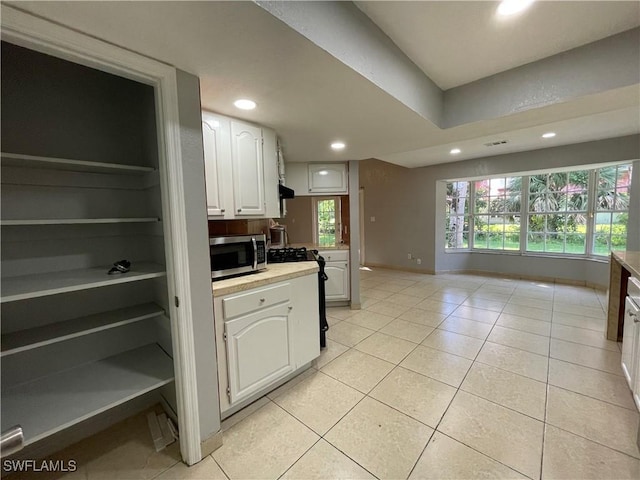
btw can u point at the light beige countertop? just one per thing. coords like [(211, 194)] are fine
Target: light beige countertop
[(275, 272), (629, 260), (313, 246)]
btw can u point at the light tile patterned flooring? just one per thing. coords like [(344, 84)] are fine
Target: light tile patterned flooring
[(448, 376)]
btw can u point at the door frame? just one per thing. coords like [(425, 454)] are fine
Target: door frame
[(41, 35)]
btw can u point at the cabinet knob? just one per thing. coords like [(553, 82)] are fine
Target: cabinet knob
[(290, 308), (239, 210), (222, 210), (262, 300)]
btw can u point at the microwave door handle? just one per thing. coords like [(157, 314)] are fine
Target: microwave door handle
[(255, 253)]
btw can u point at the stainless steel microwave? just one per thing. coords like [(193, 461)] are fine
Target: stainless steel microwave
[(237, 254)]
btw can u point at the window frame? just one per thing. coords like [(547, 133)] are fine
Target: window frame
[(338, 213), (590, 214)]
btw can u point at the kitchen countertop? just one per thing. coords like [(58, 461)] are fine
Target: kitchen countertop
[(629, 260), (275, 272)]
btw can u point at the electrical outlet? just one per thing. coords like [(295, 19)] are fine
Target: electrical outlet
[(409, 257), (373, 219), (419, 261)]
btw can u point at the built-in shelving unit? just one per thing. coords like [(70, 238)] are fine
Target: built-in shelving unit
[(31, 338), (77, 341), (75, 221), (49, 404), (34, 161), (65, 281)]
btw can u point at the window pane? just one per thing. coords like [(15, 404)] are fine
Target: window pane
[(481, 231), (457, 215), (612, 204), (326, 222), (535, 242)]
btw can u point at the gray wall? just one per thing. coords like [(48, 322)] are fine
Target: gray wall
[(610, 63), (198, 247), (409, 205)]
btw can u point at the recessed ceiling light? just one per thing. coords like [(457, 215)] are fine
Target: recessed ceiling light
[(548, 135), (338, 145), (455, 151), (511, 7), (245, 104)]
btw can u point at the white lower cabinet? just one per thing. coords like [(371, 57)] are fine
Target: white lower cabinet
[(263, 335), (259, 350), (337, 270)]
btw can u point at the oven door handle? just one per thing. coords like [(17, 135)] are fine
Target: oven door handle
[(255, 253)]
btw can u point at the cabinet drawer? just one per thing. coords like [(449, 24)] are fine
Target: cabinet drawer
[(335, 255), (253, 300)]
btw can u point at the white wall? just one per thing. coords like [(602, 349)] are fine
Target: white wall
[(409, 210), (198, 248)]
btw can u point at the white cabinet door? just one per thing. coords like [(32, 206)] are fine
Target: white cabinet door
[(248, 169), (259, 350), (305, 319), (271, 181), (629, 344), (337, 285), (328, 178), (217, 157)]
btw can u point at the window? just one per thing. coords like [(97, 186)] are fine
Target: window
[(457, 215), (577, 212), (496, 223), (612, 205), (327, 226), (558, 211)]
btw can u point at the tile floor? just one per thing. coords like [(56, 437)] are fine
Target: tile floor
[(448, 376)]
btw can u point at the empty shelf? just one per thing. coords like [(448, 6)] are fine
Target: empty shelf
[(53, 403), (52, 283), (76, 221), (28, 339), (33, 161)]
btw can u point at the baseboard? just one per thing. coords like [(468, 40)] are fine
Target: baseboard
[(400, 269), (484, 273)]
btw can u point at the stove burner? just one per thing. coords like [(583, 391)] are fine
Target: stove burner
[(281, 255)]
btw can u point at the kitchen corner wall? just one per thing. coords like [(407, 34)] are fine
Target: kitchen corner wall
[(409, 210)]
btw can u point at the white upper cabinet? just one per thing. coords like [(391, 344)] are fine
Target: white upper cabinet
[(327, 178), (216, 135), (318, 178), (248, 169), (240, 167)]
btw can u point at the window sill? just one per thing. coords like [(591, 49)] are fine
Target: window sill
[(598, 259)]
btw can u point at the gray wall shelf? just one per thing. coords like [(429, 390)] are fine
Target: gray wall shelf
[(49, 404)]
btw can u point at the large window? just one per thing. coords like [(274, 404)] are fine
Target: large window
[(577, 212)]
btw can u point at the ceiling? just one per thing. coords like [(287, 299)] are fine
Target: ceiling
[(311, 97)]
